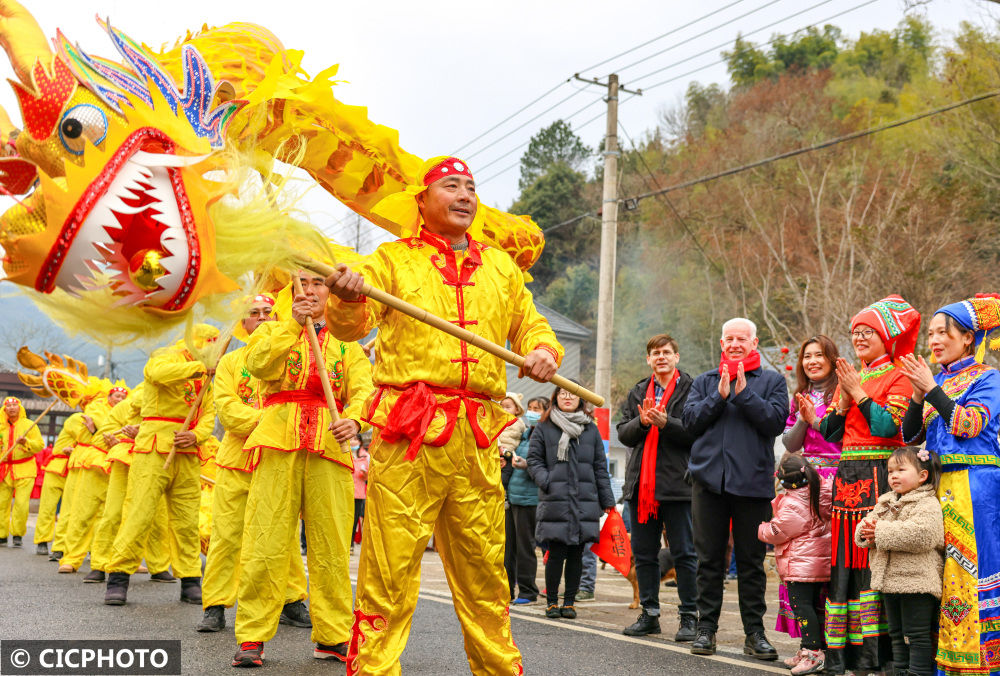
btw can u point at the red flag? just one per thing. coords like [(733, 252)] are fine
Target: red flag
[(614, 547)]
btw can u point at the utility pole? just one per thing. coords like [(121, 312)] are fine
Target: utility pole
[(609, 240), (107, 361), (357, 233)]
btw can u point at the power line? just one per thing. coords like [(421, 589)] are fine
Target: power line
[(819, 146), (510, 117), (525, 124), (710, 30), (655, 185), (660, 37), (753, 32)]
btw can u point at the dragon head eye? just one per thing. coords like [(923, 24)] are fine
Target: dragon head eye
[(81, 123)]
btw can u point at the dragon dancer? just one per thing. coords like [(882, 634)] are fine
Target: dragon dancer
[(434, 462), (173, 379), (300, 467), (54, 483), (238, 405), (20, 440)]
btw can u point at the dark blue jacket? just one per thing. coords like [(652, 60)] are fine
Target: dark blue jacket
[(734, 449)]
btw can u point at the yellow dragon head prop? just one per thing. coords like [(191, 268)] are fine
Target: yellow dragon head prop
[(115, 159)]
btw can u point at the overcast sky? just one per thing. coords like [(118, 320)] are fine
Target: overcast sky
[(444, 73)]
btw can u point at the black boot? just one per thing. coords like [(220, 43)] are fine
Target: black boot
[(295, 614), (42, 549), (53, 555), (704, 643), (758, 646), (645, 625), (116, 592), (17, 541), (214, 620), (686, 630), (3, 542), (191, 590), (94, 576)]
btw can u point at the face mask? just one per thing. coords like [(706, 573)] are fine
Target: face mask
[(532, 417)]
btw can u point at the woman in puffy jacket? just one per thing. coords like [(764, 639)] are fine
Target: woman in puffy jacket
[(800, 533)]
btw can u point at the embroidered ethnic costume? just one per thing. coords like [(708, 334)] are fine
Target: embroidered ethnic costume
[(856, 629), (960, 421)]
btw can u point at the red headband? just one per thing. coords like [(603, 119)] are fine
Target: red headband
[(448, 167), (261, 298), (10, 399), (118, 389)]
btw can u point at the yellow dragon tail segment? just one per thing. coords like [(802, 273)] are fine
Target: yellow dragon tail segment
[(62, 377)]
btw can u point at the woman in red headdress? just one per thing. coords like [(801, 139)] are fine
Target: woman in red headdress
[(866, 418)]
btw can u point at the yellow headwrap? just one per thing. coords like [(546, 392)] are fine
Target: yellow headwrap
[(401, 208)]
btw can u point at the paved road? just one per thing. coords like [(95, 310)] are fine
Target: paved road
[(39, 604)]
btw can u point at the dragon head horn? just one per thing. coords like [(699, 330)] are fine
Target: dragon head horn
[(22, 39)]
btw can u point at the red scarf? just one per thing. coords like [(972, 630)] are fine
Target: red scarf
[(750, 362), (647, 472)]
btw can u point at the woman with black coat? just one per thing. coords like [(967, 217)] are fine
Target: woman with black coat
[(566, 460)]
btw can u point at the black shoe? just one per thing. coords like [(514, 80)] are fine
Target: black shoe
[(758, 646), (17, 541), (331, 652), (250, 654), (165, 576), (214, 619), (94, 576), (704, 643), (569, 612), (3, 542), (645, 625), (686, 630), (42, 549), (191, 590), (116, 593), (295, 614), (53, 555), (553, 612)]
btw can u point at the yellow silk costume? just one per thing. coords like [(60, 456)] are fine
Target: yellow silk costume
[(17, 471), (54, 482), (173, 379), (90, 487), (442, 477), (126, 412), (299, 469), (81, 448), (237, 403)]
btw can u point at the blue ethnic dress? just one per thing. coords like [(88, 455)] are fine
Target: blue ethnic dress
[(960, 420)]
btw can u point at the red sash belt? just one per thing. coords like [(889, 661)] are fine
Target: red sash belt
[(301, 397), (7, 465), (413, 412), (179, 421)]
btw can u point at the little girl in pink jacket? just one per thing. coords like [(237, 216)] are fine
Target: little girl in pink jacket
[(800, 533)]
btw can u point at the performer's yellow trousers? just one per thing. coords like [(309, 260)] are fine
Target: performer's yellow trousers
[(455, 492), (48, 502), (18, 492), (65, 509), (284, 485), (88, 503), (148, 482), (157, 545), (222, 566)]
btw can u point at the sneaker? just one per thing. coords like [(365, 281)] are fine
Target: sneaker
[(646, 624), (331, 652), (54, 555), (17, 541), (584, 596), (191, 590), (569, 612), (521, 601), (553, 612), (704, 643), (42, 549), (295, 614), (165, 576), (116, 592), (214, 619), (758, 646), (94, 576), (250, 654), (686, 630), (812, 662), (796, 658)]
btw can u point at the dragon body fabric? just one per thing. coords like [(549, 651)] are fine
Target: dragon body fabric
[(119, 161)]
